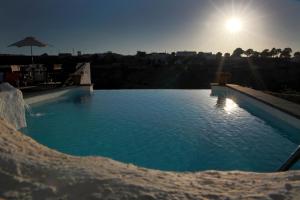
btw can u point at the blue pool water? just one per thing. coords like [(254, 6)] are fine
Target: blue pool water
[(176, 130)]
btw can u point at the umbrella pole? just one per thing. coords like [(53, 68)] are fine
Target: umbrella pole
[(31, 55)]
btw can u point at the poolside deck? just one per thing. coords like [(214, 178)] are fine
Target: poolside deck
[(281, 104)]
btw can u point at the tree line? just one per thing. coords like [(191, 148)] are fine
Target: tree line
[(266, 53)]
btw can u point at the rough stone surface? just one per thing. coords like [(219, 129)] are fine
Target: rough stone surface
[(12, 105), (29, 170)]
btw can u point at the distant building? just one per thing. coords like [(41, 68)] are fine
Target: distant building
[(186, 53), (158, 55), (158, 58), (209, 56)]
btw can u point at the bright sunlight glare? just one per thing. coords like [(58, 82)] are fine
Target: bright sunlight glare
[(230, 106), (234, 25)]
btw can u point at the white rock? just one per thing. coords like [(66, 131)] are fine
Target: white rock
[(12, 106)]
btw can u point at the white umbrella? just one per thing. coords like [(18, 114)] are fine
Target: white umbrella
[(29, 42)]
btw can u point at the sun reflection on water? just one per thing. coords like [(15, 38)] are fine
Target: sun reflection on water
[(230, 105)]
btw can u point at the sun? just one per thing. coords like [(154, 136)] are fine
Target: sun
[(234, 25)]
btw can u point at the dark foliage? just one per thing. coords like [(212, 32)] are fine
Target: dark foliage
[(114, 71)]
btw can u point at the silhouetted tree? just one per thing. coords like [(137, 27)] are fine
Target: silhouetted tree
[(273, 52), (265, 53), (219, 55), (255, 54), (237, 52), (297, 54), (279, 52), (249, 52), (227, 55), (286, 53)]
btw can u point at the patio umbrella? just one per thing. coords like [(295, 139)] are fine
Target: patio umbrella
[(29, 42)]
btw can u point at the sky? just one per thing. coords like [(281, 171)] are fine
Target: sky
[(127, 26)]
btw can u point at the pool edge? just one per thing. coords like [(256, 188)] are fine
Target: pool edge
[(40, 97), (284, 110), (26, 161)]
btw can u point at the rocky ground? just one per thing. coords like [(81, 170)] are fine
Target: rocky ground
[(29, 170)]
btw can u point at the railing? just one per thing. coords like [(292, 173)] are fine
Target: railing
[(294, 157)]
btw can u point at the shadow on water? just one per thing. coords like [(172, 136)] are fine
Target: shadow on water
[(81, 99), (221, 102)]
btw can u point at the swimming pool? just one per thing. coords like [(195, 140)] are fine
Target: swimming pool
[(174, 130)]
